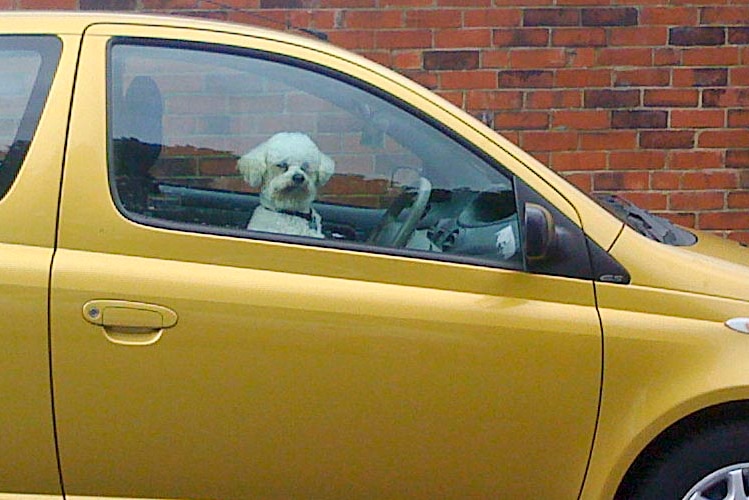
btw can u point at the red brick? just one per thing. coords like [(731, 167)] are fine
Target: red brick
[(695, 160), (584, 182), (698, 118), (554, 99), (719, 179), (697, 200), (407, 59), (581, 57), (451, 59), (353, 40), (494, 99), (526, 79), (579, 78), (665, 180), (637, 160), (700, 77), (620, 181), (612, 98), (537, 58), (608, 141), (724, 220), (47, 4), (403, 39), (578, 37), (639, 119), (373, 19), (499, 58), (640, 35), (625, 57), (318, 19), (688, 36), (738, 118), (551, 17), (456, 97), (738, 199), (468, 79), (521, 120), (549, 141), (667, 57), (728, 98), (648, 77), (578, 160), (738, 35), (724, 139), (492, 17), (667, 139), (738, 77), (405, 3), (725, 15), (459, 38), (609, 16), (669, 16), (671, 97), (521, 37), (581, 120), (711, 56), (738, 158), (432, 19), (464, 3)]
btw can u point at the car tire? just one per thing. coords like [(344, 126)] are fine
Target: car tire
[(711, 463)]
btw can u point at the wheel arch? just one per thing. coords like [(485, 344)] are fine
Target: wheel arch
[(674, 434)]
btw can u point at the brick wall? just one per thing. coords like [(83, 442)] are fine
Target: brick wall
[(649, 98)]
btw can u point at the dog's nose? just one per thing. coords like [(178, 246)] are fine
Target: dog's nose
[(297, 178)]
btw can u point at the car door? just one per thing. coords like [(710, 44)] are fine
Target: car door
[(196, 357)]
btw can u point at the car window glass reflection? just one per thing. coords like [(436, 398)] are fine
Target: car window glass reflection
[(235, 144)]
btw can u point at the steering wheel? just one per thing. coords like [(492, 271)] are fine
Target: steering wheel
[(391, 233)]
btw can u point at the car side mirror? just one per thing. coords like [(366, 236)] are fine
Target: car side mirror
[(540, 232)]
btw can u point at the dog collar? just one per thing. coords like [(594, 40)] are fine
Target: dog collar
[(312, 218), (304, 215)]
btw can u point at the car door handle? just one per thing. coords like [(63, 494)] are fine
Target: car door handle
[(129, 323)]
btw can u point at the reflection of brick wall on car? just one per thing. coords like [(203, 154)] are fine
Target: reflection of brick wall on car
[(208, 128), (16, 80)]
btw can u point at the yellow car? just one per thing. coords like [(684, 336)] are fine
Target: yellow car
[(238, 263)]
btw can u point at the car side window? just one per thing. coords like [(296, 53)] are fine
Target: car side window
[(27, 66), (245, 144)]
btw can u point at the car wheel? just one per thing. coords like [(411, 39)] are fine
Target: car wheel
[(708, 464)]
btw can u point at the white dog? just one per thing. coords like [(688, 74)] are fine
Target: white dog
[(290, 168)]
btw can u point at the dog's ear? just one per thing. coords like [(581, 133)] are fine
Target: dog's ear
[(252, 166), (327, 167)]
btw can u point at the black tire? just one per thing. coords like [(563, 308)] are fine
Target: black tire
[(707, 459)]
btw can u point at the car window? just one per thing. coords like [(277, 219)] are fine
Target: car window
[(243, 144), (27, 65)]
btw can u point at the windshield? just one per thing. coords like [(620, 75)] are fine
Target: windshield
[(654, 227)]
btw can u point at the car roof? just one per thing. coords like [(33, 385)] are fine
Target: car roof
[(75, 22)]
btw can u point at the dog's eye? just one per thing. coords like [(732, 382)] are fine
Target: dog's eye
[(283, 166), (305, 166)]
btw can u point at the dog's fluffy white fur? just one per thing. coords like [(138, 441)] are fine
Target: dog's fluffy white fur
[(289, 168)]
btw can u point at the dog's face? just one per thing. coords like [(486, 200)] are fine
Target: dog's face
[(290, 168)]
